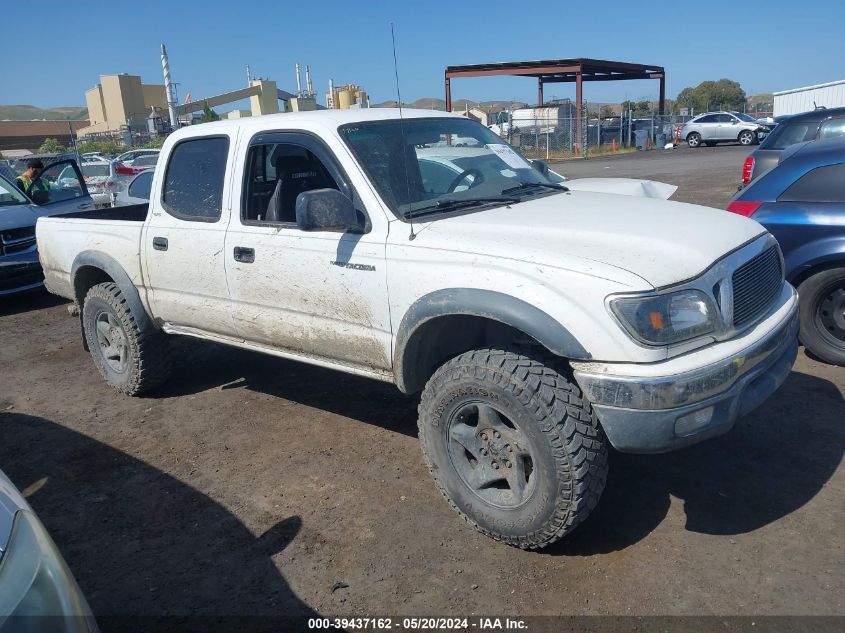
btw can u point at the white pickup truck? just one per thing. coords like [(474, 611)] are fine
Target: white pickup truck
[(540, 324)]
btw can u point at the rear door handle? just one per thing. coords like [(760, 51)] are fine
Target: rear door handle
[(160, 243), (245, 255)]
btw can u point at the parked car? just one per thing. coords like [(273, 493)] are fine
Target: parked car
[(137, 191), (802, 203), (821, 123), (96, 174), (539, 323), (35, 581), (128, 158), (440, 165), (20, 270), (723, 127)]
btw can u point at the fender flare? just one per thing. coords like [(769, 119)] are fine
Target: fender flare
[(113, 269), (487, 304)]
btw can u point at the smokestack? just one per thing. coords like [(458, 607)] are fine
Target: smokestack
[(248, 77), (308, 85), (169, 89), (330, 100), (298, 83)]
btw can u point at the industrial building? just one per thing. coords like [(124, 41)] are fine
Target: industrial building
[(25, 137), (121, 100), (796, 100), (345, 97)]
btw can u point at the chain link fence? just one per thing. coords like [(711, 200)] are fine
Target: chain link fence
[(559, 133)]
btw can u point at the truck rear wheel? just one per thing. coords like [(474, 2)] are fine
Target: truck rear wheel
[(512, 445), (131, 359)]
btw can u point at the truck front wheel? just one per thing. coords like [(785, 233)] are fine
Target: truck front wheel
[(130, 358), (512, 445)]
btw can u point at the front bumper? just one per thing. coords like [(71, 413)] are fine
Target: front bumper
[(20, 272), (659, 413)]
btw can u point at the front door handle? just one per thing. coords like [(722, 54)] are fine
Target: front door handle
[(245, 255), (160, 243)]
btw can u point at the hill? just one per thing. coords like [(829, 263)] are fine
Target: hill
[(433, 103), (28, 113)]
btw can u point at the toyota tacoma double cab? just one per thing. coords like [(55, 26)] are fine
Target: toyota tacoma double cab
[(541, 325)]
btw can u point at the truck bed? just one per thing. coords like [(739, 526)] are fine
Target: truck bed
[(113, 233), (128, 213)]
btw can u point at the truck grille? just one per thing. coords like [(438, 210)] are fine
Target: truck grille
[(16, 240), (755, 285)]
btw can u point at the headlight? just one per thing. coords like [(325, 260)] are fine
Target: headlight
[(666, 319), (35, 581)]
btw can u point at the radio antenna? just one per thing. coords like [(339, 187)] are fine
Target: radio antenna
[(402, 135)]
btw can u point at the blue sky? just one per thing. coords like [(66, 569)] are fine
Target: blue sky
[(765, 45)]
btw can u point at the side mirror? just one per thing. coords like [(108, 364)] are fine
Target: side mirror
[(40, 197), (326, 210), (735, 122), (541, 166)]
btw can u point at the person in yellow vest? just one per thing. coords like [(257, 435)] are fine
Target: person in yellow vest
[(30, 181)]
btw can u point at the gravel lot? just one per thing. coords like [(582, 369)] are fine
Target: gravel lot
[(253, 485)]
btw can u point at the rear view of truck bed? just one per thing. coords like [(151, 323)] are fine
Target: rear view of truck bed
[(113, 233)]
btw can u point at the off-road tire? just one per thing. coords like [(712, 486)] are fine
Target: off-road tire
[(148, 351), (817, 321), (694, 139), (746, 137), (569, 449)]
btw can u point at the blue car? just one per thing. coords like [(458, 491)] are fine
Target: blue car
[(802, 203)]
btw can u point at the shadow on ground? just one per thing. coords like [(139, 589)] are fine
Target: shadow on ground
[(773, 462), (115, 516), (363, 399), (35, 300)]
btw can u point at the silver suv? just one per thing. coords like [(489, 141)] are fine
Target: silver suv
[(723, 127)]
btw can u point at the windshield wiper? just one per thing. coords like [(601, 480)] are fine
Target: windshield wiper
[(448, 205), (531, 185)]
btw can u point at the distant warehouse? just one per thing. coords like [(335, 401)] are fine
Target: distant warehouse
[(830, 95)]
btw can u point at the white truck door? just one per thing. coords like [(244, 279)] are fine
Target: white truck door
[(321, 294), (184, 236)]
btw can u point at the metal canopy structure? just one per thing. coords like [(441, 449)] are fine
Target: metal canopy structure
[(574, 71)]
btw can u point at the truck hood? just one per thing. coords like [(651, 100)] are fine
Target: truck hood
[(660, 241), (17, 217)]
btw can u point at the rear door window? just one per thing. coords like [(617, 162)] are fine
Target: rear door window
[(140, 187), (822, 184), (833, 128), (787, 134), (193, 182)]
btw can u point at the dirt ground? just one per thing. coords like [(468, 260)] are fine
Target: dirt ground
[(253, 485)]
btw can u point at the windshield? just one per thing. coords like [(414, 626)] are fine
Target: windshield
[(428, 164), (10, 195), (744, 117)]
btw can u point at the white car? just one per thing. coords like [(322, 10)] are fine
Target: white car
[(137, 191), (541, 325), (128, 158), (96, 174), (442, 164)]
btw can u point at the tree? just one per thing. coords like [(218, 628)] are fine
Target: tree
[(51, 146), (641, 108), (208, 114), (724, 94), (607, 112)]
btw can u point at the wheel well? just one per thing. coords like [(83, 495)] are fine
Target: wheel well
[(443, 338), (741, 132), (86, 278), (691, 133), (818, 268)]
